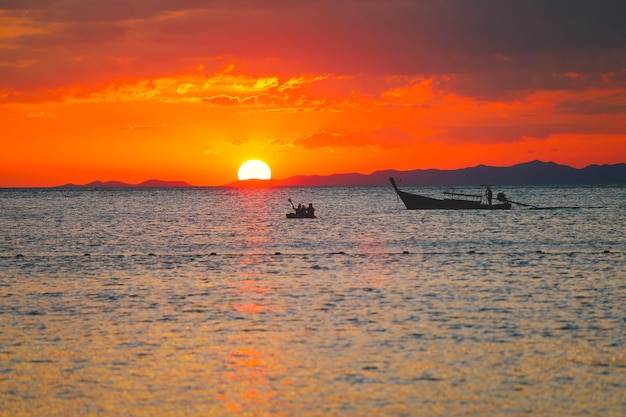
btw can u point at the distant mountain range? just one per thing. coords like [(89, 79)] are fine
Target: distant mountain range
[(529, 173), (119, 184)]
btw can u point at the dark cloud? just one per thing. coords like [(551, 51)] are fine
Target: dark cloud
[(492, 49), (592, 107)]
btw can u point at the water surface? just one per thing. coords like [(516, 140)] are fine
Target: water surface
[(194, 302)]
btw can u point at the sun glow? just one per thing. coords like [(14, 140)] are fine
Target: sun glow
[(254, 170)]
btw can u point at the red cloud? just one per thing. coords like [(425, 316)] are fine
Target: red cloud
[(388, 137)]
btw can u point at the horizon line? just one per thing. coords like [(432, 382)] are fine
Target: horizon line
[(251, 183)]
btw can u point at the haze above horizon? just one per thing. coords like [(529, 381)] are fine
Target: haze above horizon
[(169, 89)]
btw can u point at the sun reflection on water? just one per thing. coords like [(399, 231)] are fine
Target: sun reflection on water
[(250, 370), (254, 366)]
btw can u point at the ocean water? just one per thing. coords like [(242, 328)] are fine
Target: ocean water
[(208, 302)]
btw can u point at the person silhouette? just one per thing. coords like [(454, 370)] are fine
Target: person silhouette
[(489, 195)]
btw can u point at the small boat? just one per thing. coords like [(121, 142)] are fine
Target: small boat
[(300, 216), (451, 201), (302, 212)]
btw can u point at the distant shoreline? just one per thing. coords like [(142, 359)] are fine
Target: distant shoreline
[(529, 173), (120, 184)]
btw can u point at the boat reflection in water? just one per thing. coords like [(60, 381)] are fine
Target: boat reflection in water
[(451, 201)]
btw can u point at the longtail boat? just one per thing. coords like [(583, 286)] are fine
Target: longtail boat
[(451, 201)]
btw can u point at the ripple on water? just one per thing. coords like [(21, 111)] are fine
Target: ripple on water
[(180, 310)]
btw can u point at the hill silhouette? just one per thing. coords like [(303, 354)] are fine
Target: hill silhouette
[(119, 184), (529, 173)]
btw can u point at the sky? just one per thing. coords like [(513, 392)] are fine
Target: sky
[(189, 90)]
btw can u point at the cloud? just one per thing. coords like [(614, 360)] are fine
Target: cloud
[(240, 140), (490, 134), (611, 105), (225, 100), (142, 127), (320, 140), (492, 50), (183, 88), (41, 114), (266, 83), (387, 137)]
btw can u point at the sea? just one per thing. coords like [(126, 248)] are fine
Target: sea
[(210, 302)]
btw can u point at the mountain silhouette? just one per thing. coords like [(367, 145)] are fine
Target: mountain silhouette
[(118, 184), (529, 173)]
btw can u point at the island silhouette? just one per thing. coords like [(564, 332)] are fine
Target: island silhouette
[(120, 184), (528, 173)]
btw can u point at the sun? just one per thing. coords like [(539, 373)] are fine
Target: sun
[(254, 170)]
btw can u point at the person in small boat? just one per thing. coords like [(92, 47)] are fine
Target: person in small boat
[(489, 195), (301, 209), (310, 211)]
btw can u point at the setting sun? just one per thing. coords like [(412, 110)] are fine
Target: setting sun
[(254, 170)]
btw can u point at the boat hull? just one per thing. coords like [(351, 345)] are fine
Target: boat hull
[(420, 202), (299, 216)]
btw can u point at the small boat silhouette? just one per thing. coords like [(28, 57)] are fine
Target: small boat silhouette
[(301, 212)]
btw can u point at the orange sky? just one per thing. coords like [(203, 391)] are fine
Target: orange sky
[(178, 90)]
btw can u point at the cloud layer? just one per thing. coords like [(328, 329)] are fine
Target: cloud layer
[(374, 75), (496, 48)]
